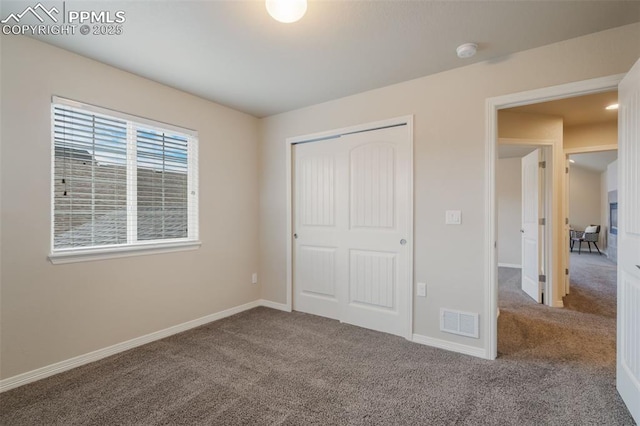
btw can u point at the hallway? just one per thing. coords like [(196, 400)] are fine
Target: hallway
[(583, 332)]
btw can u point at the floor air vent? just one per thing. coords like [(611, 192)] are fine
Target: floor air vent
[(456, 322)]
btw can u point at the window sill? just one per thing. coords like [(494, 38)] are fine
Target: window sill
[(102, 253)]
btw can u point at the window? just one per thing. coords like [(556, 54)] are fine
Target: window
[(120, 184)]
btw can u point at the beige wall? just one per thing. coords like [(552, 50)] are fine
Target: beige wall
[(612, 176), (590, 135), (584, 198), (449, 157), (54, 312), (509, 196), (521, 125)]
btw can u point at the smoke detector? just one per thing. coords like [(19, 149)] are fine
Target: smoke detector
[(466, 50)]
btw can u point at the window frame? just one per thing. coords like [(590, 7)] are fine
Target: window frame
[(136, 248)]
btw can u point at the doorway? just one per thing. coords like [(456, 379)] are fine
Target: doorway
[(351, 225), (559, 243), (525, 206)]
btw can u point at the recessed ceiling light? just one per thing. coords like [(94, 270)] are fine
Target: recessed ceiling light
[(612, 106), (466, 50)]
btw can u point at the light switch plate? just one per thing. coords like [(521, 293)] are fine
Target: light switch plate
[(422, 289), (254, 278), (453, 217)]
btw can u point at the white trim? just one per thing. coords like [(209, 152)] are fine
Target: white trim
[(579, 88), (289, 142), (509, 265), (595, 148), (289, 208), (90, 254), (132, 247), (193, 188), (59, 367), (519, 141), (406, 119), (274, 305), (449, 346), (409, 121)]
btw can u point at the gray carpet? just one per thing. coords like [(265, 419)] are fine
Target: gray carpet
[(268, 367)]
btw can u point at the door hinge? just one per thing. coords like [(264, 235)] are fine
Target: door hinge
[(542, 278), (566, 170), (566, 271), (566, 220), (543, 221), (542, 164)]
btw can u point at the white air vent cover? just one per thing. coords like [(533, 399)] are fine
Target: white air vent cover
[(456, 322)]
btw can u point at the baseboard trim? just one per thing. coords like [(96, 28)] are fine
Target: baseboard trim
[(59, 367), (509, 265), (274, 305), (449, 346), (558, 304)]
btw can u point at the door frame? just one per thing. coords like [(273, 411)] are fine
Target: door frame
[(546, 147), (330, 134), (492, 105), (567, 153)]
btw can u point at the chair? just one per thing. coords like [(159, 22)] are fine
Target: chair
[(590, 235)]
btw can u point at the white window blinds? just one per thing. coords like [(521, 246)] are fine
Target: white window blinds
[(120, 180)]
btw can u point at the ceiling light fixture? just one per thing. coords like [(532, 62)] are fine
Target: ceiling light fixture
[(572, 161), (466, 50), (612, 106), (286, 11)]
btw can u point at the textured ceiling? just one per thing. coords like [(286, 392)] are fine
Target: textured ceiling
[(233, 53)]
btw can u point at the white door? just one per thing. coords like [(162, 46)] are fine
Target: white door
[(567, 227), (531, 229), (351, 227), (628, 362)]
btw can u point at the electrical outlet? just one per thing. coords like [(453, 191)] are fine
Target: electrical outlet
[(254, 278), (422, 289)]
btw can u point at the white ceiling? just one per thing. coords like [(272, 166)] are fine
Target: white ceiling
[(588, 109), (233, 53), (595, 161), (514, 151)]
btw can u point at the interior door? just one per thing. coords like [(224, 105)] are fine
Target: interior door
[(352, 221), (531, 229), (567, 227), (628, 351), (318, 258)]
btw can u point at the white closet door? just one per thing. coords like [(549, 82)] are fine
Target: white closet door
[(352, 212), (318, 264)]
